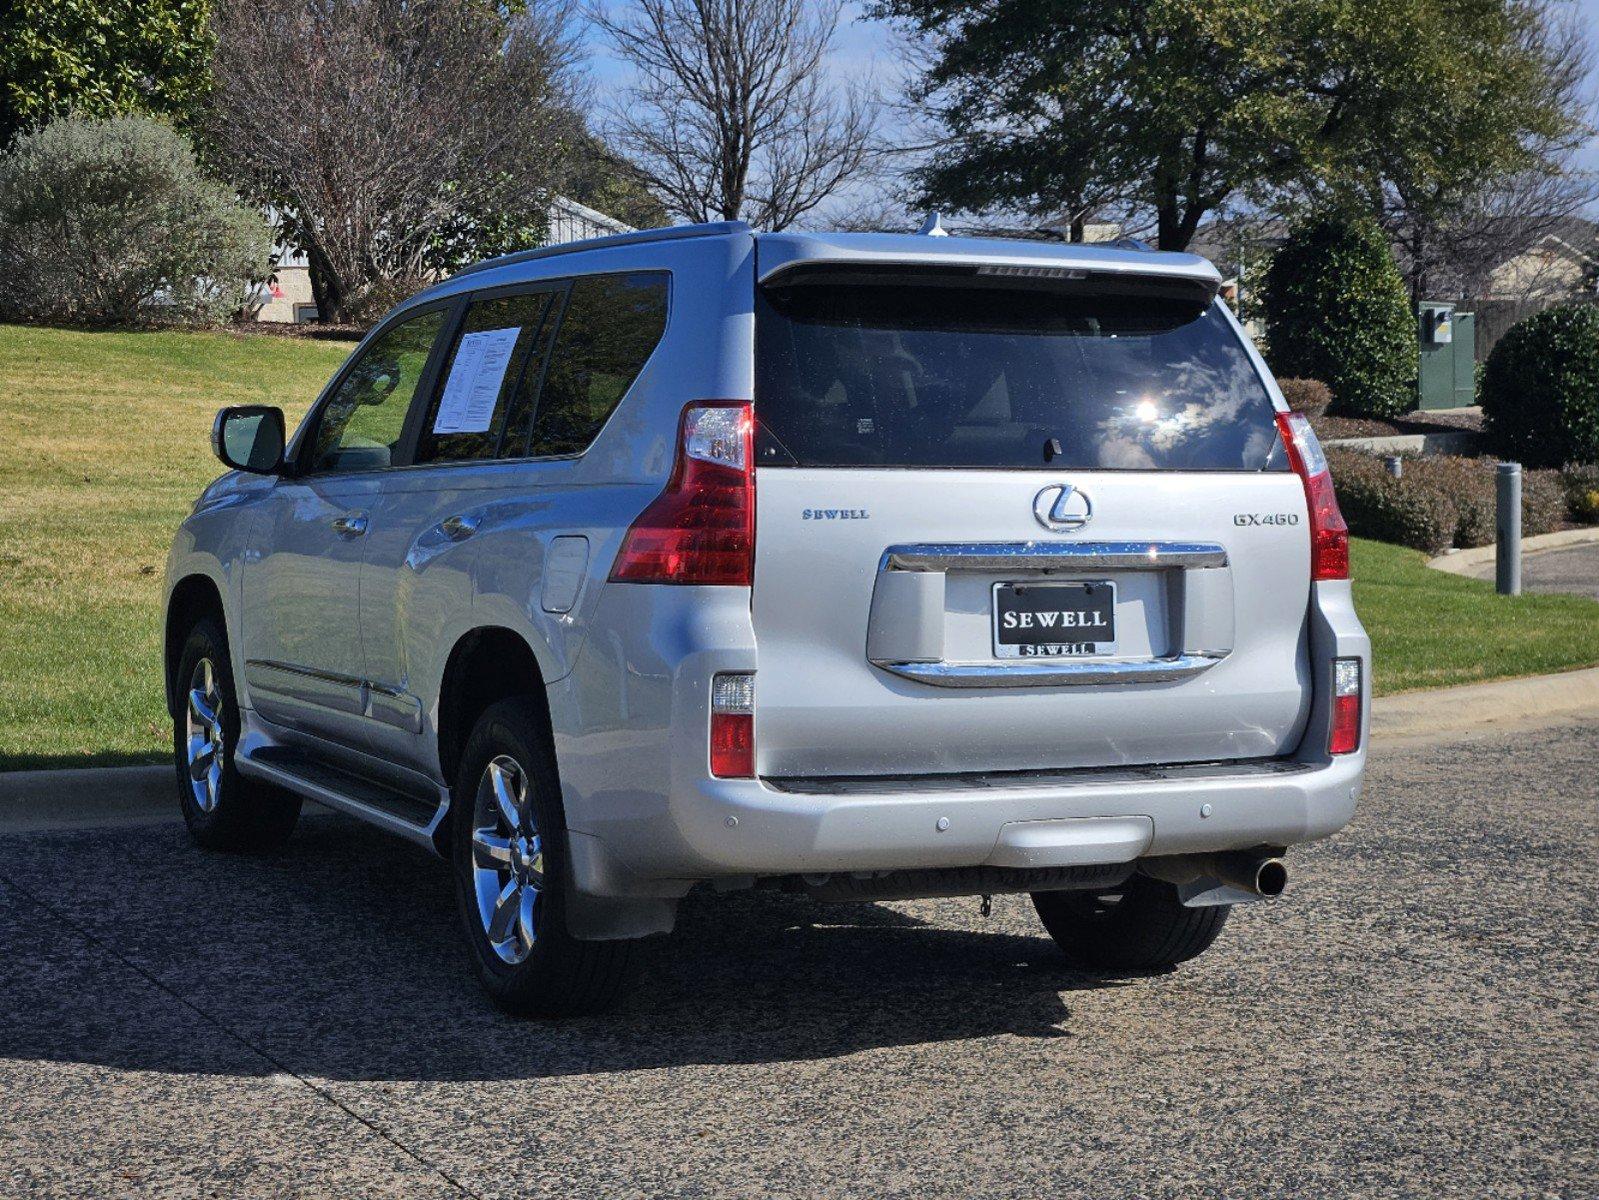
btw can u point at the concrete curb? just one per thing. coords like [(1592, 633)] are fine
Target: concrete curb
[(31, 801), (1451, 442), (1462, 562), (1504, 701)]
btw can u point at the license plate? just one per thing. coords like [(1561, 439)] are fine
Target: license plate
[(1054, 620)]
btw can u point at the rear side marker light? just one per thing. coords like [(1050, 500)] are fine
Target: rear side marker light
[(1329, 535), (733, 726), (701, 529), (1345, 736)]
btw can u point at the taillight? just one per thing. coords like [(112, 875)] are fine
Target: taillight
[(1345, 736), (701, 529), (1329, 535), (733, 726)]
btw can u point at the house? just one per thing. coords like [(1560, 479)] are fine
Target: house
[(1557, 264), (287, 297)]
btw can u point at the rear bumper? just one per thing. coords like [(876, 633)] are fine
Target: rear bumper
[(648, 820), (752, 827)]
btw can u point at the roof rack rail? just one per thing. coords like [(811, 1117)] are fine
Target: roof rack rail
[(669, 234)]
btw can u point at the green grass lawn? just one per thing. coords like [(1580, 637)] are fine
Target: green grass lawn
[(1429, 629), (103, 447)]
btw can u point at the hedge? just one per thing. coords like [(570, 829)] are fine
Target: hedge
[(1439, 501), (1309, 396), (1540, 389), (1581, 481)]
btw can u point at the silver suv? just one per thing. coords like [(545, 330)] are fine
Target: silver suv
[(866, 567)]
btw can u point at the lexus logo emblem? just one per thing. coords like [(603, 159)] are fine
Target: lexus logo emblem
[(1063, 508)]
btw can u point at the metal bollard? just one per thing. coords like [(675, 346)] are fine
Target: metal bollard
[(1395, 465), (1507, 549)]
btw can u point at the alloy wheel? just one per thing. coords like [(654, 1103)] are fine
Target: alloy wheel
[(204, 742), (507, 859)]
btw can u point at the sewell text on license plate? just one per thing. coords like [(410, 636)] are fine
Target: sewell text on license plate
[(1042, 620)]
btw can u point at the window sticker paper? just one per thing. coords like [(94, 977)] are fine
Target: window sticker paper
[(475, 378)]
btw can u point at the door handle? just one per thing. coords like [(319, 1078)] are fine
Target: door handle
[(350, 527), (459, 528)]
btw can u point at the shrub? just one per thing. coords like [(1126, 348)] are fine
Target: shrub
[(109, 221), (1440, 500), (1580, 483), (1543, 502), (1376, 505), (1337, 310), (1540, 389), (1308, 396)]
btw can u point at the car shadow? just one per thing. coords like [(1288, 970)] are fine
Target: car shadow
[(339, 958)]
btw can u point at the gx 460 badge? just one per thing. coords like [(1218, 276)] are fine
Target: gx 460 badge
[(1265, 518)]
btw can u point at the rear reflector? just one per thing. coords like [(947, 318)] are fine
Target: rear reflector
[(733, 726), (701, 529), (1329, 535), (1345, 736)]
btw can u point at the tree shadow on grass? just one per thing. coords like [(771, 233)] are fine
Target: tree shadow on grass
[(68, 762)]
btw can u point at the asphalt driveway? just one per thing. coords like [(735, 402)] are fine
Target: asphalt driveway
[(1573, 569), (1417, 1017)]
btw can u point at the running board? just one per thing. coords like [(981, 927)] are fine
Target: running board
[(408, 816)]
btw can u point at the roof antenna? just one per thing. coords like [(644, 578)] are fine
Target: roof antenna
[(932, 227)]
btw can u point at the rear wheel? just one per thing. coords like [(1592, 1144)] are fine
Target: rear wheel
[(223, 809), (512, 876), (1139, 925)]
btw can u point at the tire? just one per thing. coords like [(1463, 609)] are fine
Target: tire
[(513, 879), (223, 809), (1140, 925)]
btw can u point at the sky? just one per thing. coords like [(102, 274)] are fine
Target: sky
[(1589, 158), (865, 48)]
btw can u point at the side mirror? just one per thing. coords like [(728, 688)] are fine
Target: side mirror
[(249, 437)]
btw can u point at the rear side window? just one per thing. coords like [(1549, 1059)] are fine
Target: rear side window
[(953, 374), (486, 391), (611, 325)]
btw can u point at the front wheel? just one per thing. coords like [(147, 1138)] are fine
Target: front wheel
[(223, 809), (1139, 925), (512, 876)]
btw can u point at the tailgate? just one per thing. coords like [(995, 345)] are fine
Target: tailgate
[(874, 607), (1011, 524)]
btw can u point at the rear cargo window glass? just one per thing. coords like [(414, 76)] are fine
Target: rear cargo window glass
[(610, 327), (916, 375)]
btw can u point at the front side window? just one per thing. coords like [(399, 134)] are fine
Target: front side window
[(611, 326), (951, 373), (362, 423), (486, 391)]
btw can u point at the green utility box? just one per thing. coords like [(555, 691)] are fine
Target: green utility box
[(1448, 375)]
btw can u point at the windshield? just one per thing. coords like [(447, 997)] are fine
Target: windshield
[(908, 374)]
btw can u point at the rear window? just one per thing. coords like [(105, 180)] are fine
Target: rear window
[(908, 373)]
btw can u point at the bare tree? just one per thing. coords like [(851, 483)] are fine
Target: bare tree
[(1453, 229), (383, 129), (731, 113)]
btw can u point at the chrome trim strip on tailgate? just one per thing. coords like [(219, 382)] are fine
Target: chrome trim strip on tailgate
[(1052, 556), (1011, 673), (1076, 557)]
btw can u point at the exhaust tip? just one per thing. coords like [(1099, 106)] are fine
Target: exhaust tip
[(1271, 877)]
